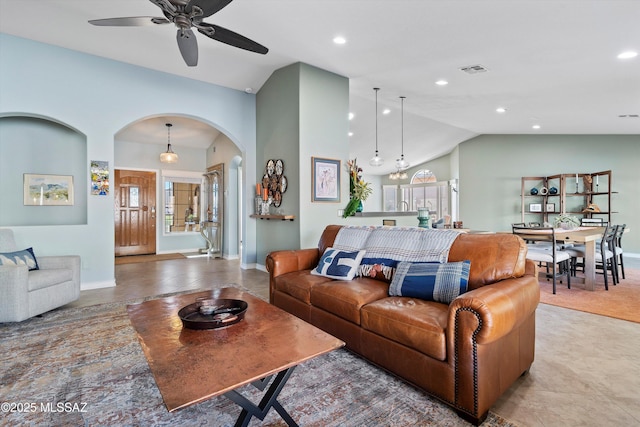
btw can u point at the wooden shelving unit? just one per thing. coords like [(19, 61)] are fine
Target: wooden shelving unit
[(573, 196), (279, 217)]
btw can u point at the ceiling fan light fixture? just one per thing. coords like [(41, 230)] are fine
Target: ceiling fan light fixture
[(376, 160), (168, 156)]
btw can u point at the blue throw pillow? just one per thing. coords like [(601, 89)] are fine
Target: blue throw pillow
[(432, 281), (338, 264), (23, 257)]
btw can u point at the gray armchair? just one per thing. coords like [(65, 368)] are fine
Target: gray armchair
[(24, 293)]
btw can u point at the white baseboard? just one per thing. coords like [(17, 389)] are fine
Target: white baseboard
[(86, 286)]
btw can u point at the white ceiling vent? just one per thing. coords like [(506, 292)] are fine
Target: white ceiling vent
[(629, 116), (474, 69)]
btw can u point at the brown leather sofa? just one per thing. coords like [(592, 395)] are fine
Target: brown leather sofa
[(466, 354)]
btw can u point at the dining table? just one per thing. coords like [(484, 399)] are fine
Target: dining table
[(589, 236)]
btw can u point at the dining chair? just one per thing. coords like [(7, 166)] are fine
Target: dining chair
[(617, 249), (557, 260), (592, 222), (604, 256)]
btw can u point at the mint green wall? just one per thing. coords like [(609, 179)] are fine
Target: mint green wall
[(98, 98), (491, 167), (302, 113), (278, 138), (324, 128)]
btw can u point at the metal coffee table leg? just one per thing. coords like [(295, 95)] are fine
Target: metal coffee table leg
[(269, 400)]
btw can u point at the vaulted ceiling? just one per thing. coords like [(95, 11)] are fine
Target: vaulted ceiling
[(548, 63)]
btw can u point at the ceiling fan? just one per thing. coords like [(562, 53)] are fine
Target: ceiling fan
[(186, 14)]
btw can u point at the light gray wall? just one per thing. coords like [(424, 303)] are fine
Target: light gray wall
[(99, 97)]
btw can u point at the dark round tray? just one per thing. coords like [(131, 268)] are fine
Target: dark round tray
[(226, 312)]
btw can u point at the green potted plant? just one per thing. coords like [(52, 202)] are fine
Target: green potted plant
[(358, 189), (566, 222)]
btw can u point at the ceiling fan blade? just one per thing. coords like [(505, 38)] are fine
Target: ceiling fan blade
[(209, 7), (231, 38), (188, 46), (131, 21)]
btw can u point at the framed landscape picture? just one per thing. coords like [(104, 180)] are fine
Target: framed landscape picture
[(48, 190), (325, 180)]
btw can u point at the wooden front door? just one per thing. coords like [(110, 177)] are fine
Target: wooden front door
[(135, 212)]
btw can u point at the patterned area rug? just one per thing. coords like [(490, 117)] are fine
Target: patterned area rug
[(84, 367)]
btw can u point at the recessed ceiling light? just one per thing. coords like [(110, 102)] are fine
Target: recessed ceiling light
[(339, 40), (536, 127), (628, 54), (248, 90), (501, 110), (442, 82), (351, 116), (350, 133), (386, 111)]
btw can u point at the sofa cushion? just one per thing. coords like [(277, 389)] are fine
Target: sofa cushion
[(416, 323), (493, 257), (338, 264), (23, 257), (344, 299), (298, 284), (432, 281), (44, 278)]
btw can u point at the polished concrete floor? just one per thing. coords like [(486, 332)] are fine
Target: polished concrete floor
[(586, 371)]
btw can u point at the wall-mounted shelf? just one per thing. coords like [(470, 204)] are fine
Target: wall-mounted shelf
[(280, 217)]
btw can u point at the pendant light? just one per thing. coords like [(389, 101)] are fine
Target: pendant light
[(169, 156), (376, 160), (401, 163)]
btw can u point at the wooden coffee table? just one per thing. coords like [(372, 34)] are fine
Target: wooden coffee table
[(191, 366)]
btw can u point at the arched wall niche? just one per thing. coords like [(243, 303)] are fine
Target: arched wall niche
[(34, 144)]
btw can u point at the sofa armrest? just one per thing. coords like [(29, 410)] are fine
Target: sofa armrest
[(71, 262), (14, 291), (498, 309), (282, 262)]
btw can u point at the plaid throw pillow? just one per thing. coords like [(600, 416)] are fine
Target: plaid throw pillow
[(431, 281)]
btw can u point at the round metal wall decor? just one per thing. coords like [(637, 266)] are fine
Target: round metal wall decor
[(274, 181)]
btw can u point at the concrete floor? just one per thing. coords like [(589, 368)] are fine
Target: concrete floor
[(586, 371)]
